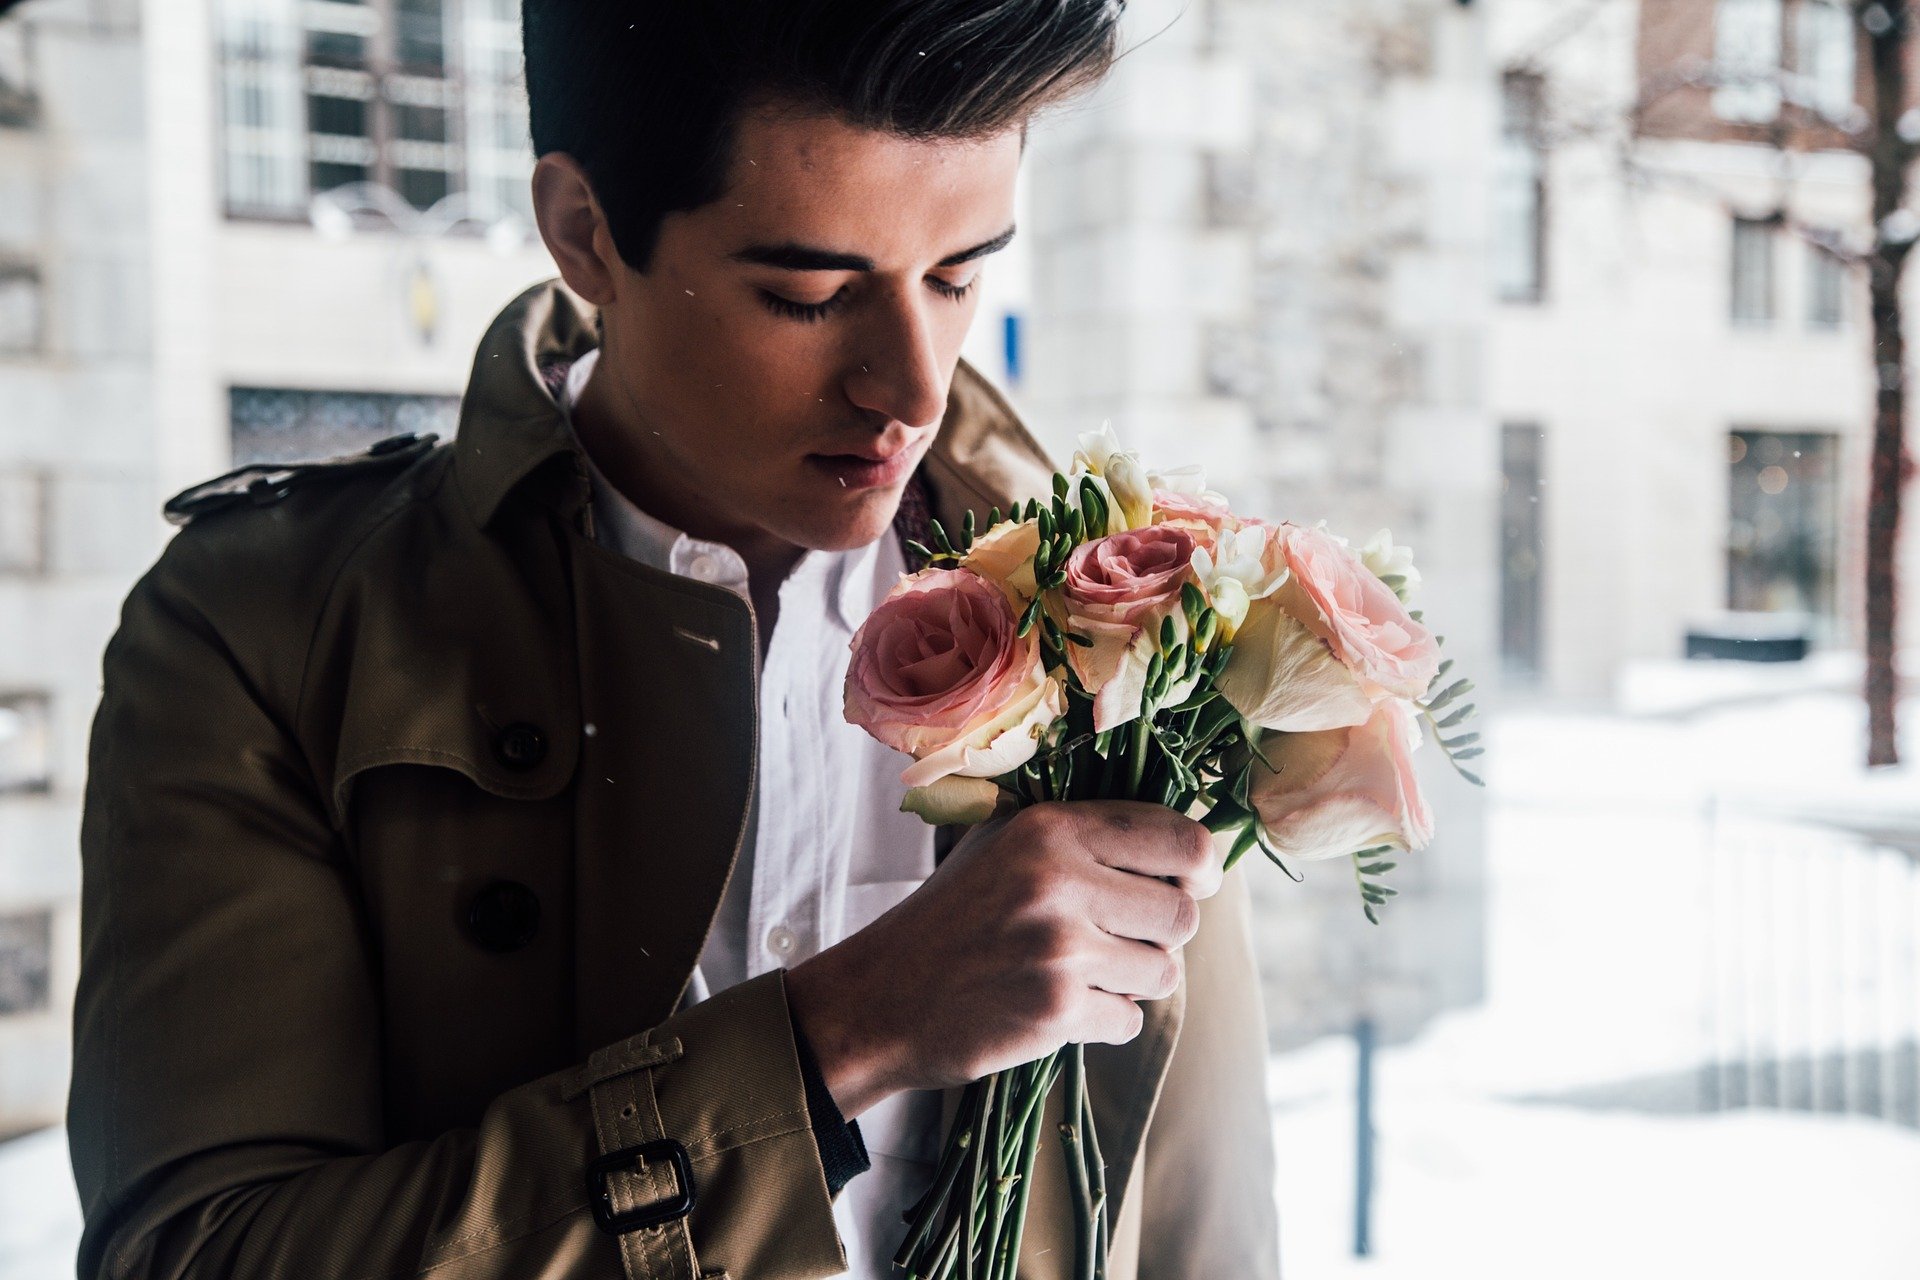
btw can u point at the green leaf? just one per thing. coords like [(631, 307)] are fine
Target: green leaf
[(1448, 694), (1045, 521), (1378, 868), (966, 529), (1386, 890), (993, 516), (1416, 615), (940, 537), (1085, 642), (920, 549), (1470, 777), (1370, 916), (1169, 634), (1463, 740), (1455, 717), (1468, 753), (1059, 485), (1075, 529), (1445, 667)]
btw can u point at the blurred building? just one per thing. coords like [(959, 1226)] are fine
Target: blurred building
[(174, 301), (1680, 364), (1263, 247)]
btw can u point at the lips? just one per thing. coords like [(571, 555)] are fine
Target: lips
[(867, 469)]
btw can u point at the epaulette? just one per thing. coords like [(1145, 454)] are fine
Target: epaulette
[(261, 483)]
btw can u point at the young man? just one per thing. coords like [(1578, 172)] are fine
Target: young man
[(479, 878)]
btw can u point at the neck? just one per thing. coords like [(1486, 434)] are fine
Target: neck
[(615, 434)]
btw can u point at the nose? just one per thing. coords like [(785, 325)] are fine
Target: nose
[(899, 373)]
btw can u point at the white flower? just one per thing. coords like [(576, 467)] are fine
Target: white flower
[(1243, 570), (1387, 560), (1119, 475)]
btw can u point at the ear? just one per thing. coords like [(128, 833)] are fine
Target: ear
[(574, 227)]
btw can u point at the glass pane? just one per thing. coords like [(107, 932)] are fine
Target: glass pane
[(1522, 548), (1826, 289), (26, 962), (1781, 522), (26, 743), (1746, 54), (1752, 262)]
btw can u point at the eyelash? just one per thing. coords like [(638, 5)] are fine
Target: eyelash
[(809, 312)]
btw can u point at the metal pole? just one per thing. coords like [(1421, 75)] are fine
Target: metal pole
[(1363, 1140)]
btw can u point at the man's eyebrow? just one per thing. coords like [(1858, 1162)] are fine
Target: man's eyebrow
[(802, 257)]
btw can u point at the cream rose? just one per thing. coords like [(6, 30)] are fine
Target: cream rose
[(1339, 791)]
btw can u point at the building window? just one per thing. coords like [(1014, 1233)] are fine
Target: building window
[(26, 744), (424, 97), (23, 524), (22, 308), (276, 425), (1522, 550), (1826, 288), (26, 962), (1746, 60), (1752, 275), (1782, 522), (19, 104), (1519, 248), (1823, 58)]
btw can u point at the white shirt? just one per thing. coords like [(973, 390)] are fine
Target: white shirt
[(827, 849)]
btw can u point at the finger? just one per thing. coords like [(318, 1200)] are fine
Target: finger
[(1110, 1019), (1145, 908), (1123, 967), (1151, 840)]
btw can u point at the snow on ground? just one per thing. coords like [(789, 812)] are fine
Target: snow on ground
[(39, 1210), (1605, 924)]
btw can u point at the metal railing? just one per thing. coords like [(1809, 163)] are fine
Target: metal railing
[(1812, 949)]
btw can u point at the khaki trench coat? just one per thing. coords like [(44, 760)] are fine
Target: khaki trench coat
[(410, 808)]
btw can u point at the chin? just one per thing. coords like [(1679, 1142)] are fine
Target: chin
[(858, 525)]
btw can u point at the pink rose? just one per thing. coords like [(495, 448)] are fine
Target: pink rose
[(1340, 600), (1205, 516), (1118, 590), (1338, 791), (939, 672)]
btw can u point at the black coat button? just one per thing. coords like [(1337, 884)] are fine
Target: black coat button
[(520, 746), (504, 916)]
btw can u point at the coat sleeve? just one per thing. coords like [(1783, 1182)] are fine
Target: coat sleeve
[(225, 1115), (1209, 1196)]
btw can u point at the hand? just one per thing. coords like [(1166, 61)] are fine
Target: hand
[(1040, 929)]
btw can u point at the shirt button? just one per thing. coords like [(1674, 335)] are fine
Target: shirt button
[(780, 940), (704, 567)]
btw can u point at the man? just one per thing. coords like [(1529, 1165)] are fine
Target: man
[(479, 880)]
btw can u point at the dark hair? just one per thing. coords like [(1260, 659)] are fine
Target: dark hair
[(645, 94)]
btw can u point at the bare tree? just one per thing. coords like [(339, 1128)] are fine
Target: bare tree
[(1886, 131)]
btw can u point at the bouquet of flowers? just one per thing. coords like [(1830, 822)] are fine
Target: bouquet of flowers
[(1135, 639)]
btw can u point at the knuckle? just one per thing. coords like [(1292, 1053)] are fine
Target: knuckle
[(1170, 978), (1186, 918)]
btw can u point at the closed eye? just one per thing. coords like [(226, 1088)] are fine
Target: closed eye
[(812, 312)]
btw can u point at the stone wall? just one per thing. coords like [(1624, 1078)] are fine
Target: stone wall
[(1261, 247)]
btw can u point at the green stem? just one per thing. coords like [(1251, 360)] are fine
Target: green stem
[(1137, 759), (1030, 1143), (1072, 1142)]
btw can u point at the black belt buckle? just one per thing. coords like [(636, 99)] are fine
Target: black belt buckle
[(600, 1196)]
